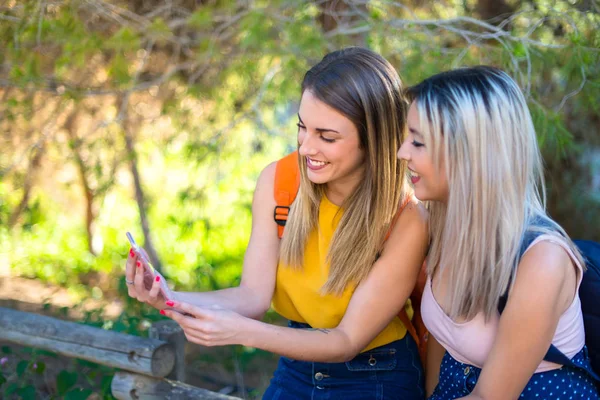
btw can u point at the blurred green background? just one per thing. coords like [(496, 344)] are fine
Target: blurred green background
[(156, 117)]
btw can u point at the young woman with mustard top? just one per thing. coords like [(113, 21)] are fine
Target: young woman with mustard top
[(343, 268)]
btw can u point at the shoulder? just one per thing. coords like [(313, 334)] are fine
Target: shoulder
[(263, 194), (413, 221), (267, 176), (414, 213), (545, 262), (546, 274)]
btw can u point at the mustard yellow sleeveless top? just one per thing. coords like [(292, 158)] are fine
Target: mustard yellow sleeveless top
[(297, 294)]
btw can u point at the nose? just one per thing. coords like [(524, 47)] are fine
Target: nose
[(404, 151), (306, 144)]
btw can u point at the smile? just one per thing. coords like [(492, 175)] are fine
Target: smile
[(414, 177), (315, 164)]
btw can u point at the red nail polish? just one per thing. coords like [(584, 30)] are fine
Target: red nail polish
[(139, 264), (158, 279), (131, 253), (170, 303), (162, 312)]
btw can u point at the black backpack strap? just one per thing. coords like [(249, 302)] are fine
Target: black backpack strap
[(558, 357), (553, 354)]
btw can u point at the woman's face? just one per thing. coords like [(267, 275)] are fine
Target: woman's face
[(430, 183), (330, 144)]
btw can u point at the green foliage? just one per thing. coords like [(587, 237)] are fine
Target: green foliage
[(211, 95), (201, 18), (65, 381)]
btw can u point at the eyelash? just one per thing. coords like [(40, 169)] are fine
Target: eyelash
[(300, 126), (417, 144)]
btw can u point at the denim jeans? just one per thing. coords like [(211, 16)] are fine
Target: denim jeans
[(392, 371)]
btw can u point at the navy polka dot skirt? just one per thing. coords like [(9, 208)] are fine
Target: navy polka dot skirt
[(567, 383)]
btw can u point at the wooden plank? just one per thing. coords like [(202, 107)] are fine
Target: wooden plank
[(170, 332), (128, 386), (118, 350)]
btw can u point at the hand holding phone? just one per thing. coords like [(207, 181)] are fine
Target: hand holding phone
[(148, 271)]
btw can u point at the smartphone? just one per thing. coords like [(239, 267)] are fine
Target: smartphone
[(140, 253), (150, 273)]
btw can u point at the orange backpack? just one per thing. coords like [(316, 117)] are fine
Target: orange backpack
[(287, 182)]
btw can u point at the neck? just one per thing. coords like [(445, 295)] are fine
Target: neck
[(338, 192)]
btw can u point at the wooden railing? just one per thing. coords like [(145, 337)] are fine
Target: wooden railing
[(151, 368)]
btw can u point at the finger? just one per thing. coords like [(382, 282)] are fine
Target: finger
[(199, 339), (174, 315), (186, 321), (144, 256), (155, 290), (130, 265), (183, 307), (138, 280)]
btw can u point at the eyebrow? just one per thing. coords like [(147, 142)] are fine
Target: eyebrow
[(414, 131), (319, 129)]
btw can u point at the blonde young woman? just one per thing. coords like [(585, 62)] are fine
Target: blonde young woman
[(472, 152), (333, 275)]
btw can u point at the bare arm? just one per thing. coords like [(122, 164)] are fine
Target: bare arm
[(544, 288), (368, 312), (435, 353), (252, 298)]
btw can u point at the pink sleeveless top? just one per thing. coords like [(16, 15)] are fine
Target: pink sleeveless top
[(470, 342)]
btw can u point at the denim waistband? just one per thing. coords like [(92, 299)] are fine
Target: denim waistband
[(298, 325), (394, 363)]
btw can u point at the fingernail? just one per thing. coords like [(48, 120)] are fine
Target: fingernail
[(162, 312), (139, 264), (170, 303), (131, 253), (158, 279)]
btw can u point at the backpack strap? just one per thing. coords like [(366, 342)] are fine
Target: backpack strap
[(287, 182), (553, 355)]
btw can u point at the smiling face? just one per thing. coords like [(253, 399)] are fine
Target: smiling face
[(430, 182), (330, 143)]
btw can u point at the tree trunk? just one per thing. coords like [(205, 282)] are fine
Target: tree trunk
[(140, 197), (342, 13), (34, 164), (495, 11), (88, 193)]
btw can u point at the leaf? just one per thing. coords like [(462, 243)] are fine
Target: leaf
[(106, 384), (64, 381), (38, 367), (6, 350), (159, 29), (27, 392), (78, 394), (2, 379), (201, 18), (21, 367), (119, 69), (119, 326), (13, 387), (124, 39)]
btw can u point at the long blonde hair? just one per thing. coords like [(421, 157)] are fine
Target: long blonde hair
[(476, 120), (366, 89)]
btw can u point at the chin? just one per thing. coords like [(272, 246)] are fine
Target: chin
[(422, 196), (317, 179)]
